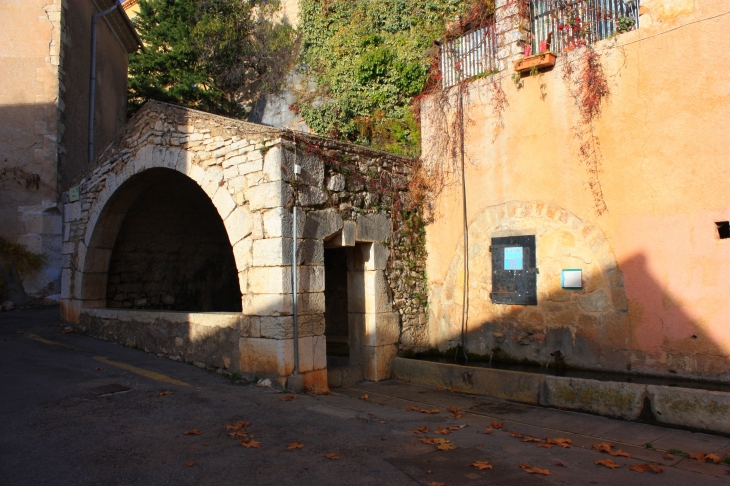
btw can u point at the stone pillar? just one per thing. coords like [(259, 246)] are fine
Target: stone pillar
[(512, 24), (267, 328), (373, 326)]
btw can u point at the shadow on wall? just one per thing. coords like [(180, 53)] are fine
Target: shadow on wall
[(622, 319), (161, 244), (567, 328)]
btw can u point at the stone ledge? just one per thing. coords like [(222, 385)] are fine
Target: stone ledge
[(689, 408)]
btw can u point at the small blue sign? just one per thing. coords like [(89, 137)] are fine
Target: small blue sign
[(513, 258)]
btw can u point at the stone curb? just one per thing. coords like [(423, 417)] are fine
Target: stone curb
[(683, 407)]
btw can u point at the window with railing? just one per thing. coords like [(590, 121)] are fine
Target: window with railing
[(470, 55), (562, 25)]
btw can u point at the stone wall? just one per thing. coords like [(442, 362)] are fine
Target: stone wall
[(585, 328)]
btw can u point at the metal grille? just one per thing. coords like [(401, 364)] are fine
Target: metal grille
[(470, 55), (565, 24)]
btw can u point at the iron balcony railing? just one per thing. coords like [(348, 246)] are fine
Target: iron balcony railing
[(560, 25), (470, 55)]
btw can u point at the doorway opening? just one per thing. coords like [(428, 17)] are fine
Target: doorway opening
[(336, 312)]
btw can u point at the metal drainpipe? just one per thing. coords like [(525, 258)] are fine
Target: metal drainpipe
[(92, 87), (295, 280)]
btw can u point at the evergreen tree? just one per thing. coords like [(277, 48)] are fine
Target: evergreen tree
[(212, 55)]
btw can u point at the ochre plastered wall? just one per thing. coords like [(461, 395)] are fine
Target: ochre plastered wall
[(665, 163)]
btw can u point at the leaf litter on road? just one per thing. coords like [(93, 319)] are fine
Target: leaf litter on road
[(537, 470), (646, 467), (166, 392), (608, 463), (194, 432), (250, 443), (422, 410), (497, 425), (295, 445), (190, 464), (288, 398), (481, 465), (456, 412), (332, 456)]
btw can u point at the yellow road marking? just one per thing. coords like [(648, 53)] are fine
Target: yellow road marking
[(141, 371), (36, 337)]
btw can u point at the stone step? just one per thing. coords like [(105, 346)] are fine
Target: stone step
[(344, 376)]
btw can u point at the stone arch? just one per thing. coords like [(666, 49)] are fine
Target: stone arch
[(589, 326), (118, 192)]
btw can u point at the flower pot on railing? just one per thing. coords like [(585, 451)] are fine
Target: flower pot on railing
[(543, 60)]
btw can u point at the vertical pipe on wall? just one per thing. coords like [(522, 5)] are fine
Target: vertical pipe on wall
[(92, 81), (295, 279)]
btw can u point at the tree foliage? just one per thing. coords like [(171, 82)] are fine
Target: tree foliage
[(370, 59), (212, 55)]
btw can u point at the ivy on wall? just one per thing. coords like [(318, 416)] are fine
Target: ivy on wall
[(370, 59)]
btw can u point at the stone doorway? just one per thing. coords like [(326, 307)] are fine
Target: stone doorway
[(336, 313)]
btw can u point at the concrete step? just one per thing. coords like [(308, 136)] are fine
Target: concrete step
[(675, 406), (344, 376)]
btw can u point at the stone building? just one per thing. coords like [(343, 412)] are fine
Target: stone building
[(640, 210), (182, 244), (45, 54)]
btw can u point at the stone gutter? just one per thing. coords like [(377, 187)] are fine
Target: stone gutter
[(681, 407)]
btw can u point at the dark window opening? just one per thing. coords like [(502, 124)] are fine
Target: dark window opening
[(723, 229), (335, 301), (514, 272), (172, 251)]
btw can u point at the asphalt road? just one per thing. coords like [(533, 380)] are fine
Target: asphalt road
[(55, 431)]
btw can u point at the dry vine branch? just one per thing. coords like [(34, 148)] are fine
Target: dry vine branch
[(588, 86)]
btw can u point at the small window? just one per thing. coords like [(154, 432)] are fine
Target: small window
[(514, 276), (723, 229)]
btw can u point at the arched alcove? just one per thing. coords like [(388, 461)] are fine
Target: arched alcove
[(160, 244)]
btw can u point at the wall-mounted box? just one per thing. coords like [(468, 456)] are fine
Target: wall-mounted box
[(514, 272), (571, 278)]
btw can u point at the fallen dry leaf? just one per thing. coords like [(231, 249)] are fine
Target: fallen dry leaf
[(238, 425), (608, 463), (249, 443), (382, 422), (441, 431), (668, 456), (620, 453), (546, 446), (489, 430), (193, 432), (434, 484), (446, 447), (564, 443), (714, 458), (162, 394), (531, 439), (497, 425), (289, 397), (332, 456), (524, 465), (426, 440), (420, 430), (100, 369), (560, 463), (295, 445), (537, 470), (456, 412), (646, 467), (602, 447), (190, 464), (481, 465), (416, 409), (364, 397), (238, 434), (516, 435)]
